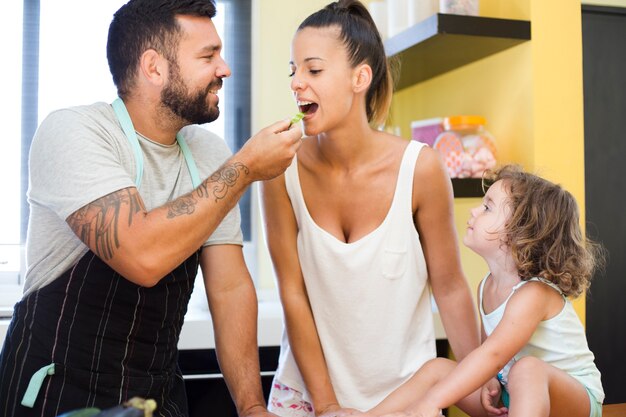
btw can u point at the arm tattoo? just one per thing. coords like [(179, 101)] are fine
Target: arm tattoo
[(218, 184), (182, 205), (96, 224)]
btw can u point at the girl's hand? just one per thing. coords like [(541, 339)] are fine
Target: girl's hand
[(490, 398)]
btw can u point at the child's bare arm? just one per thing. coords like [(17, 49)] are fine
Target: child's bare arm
[(524, 311), (435, 386)]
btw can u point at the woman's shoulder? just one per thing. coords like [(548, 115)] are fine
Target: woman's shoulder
[(395, 142), (429, 161), (430, 176)]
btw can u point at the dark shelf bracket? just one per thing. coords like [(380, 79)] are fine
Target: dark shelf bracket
[(444, 42), (467, 187)]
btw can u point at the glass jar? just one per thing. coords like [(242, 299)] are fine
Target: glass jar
[(467, 148), (466, 7)]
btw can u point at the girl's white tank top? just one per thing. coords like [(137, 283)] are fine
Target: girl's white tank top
[(559, 341)]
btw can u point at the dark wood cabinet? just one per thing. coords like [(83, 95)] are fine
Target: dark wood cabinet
[(604, 77), (207, 393)]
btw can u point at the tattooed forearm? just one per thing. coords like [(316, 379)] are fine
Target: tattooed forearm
[(182, 205), (218, 184), (97, 223)]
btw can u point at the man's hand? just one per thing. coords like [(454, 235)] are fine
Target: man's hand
[(490, 397), (268, 153)]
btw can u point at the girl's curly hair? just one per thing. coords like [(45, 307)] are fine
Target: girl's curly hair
[(544, 233)]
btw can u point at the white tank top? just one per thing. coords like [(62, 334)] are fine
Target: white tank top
[(370, 298), (559, 341)]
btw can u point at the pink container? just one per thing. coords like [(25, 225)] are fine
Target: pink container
[(427, 130)]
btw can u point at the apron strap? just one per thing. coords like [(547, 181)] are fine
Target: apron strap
[(34, 386), (191, 164), (129, 130)]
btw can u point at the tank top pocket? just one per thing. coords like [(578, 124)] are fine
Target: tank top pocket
[(394, 261)]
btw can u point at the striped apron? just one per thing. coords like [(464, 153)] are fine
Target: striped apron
[(91, 338)]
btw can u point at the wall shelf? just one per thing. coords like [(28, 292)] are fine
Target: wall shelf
[(467, 187), (444, 42)]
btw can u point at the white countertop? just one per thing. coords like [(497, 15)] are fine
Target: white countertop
[(197, 332)]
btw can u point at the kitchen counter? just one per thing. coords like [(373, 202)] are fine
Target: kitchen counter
[(197, 332)]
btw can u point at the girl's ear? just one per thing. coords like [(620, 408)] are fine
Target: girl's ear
[(362, 78), (153, 67)]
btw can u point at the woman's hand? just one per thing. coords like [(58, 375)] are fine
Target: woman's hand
[(338, 411), (420, 412), (490, 398), (422, 409)]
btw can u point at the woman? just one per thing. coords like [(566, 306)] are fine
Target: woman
[(359, 227)]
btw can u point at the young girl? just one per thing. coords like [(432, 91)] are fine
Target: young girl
[(360, 229), (534, 356)]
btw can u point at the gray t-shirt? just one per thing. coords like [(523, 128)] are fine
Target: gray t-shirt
[(80, 154)]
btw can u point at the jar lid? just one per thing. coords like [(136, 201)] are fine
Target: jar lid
[(452, 121)]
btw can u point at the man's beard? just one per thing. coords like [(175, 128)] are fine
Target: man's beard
[(191, 107)]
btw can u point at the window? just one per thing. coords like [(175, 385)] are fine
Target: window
[(10, 157), (64, 61), (10, 166)]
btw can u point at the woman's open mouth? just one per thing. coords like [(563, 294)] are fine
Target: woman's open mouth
[(307, 107)]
